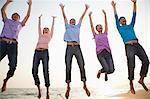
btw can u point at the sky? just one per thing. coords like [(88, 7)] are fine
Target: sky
[(28, 37)]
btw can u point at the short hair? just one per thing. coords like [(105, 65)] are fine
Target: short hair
[(121, 18), (16, 14), (98, 25)]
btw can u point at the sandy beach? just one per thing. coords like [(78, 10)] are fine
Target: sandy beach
[(76, 93), (140, 94)]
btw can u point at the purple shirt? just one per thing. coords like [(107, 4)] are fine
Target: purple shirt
[(101, 41), (11, 29)]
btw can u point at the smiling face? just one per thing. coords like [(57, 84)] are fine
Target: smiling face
[(72, 21), (45, 30), (122, 20), (15, 17), (99, 28)]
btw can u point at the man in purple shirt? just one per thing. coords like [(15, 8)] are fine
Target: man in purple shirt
[(8, 39)]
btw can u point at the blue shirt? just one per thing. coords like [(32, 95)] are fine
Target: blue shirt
[(127, 31), (72, 32)]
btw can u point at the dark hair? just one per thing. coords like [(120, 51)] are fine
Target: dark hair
[(121, 18), (16, 14), (98, 25)]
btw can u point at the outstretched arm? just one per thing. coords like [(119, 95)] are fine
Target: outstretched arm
[(28, 13), (3, 9), (39, 25), (63, 12), (134, 6), (106, 25), (134, 13), (114, 7), (91, 23), (52, 28), (81, 18), (115, 13)]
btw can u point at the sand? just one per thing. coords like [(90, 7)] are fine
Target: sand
[(140, 94)]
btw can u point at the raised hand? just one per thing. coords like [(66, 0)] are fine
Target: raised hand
[(104, 12), (8, 1), (86, 6), (53, 17), (29, 2), (134, 1), (40, 16), (90, 13), (113, 4), (61, 5)]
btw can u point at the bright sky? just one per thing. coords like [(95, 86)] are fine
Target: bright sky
[(74, 8)]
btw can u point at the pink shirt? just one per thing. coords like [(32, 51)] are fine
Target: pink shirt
[(44, 39)]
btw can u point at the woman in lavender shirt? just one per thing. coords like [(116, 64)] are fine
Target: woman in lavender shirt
[(103, 50)]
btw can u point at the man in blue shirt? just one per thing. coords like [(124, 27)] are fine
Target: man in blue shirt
[(71, 36), (132, 47)]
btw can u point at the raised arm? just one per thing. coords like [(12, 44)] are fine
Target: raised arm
[(106, 25), (114, 7), (134, 5), (81, 18), (3, 9), (115, 13), (63, 13), (28, 12), (52, 27), (91, 23), (39, 25), (134, 13)]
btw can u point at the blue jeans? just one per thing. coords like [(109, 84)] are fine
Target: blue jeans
[(44, 57), (105, 58), (70, 52), (10, 49), (131, 51)]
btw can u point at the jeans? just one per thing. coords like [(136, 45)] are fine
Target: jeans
[(70, 52), (105, 58), (44, 57), (131, 51), (10, 49)]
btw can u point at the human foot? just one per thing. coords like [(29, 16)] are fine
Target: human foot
[(67, 92), (4, 85), (39, 92), (106, 77), (98, 74), (142, 83), (132, 88), (87, 91), (47, 97)]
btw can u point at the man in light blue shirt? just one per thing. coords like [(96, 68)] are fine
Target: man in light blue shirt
[(71, 36), (132, 47)]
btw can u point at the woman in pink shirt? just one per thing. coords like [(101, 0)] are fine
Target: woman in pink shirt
[(42, 54), (103, 50)]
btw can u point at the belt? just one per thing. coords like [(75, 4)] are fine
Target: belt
[(73, 43), (40, 49), (132, 42), (8, 40)]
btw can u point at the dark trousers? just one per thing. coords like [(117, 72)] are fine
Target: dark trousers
[(70, 52), (44, 57), (106, 60), (131, 51), (11, 50)]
